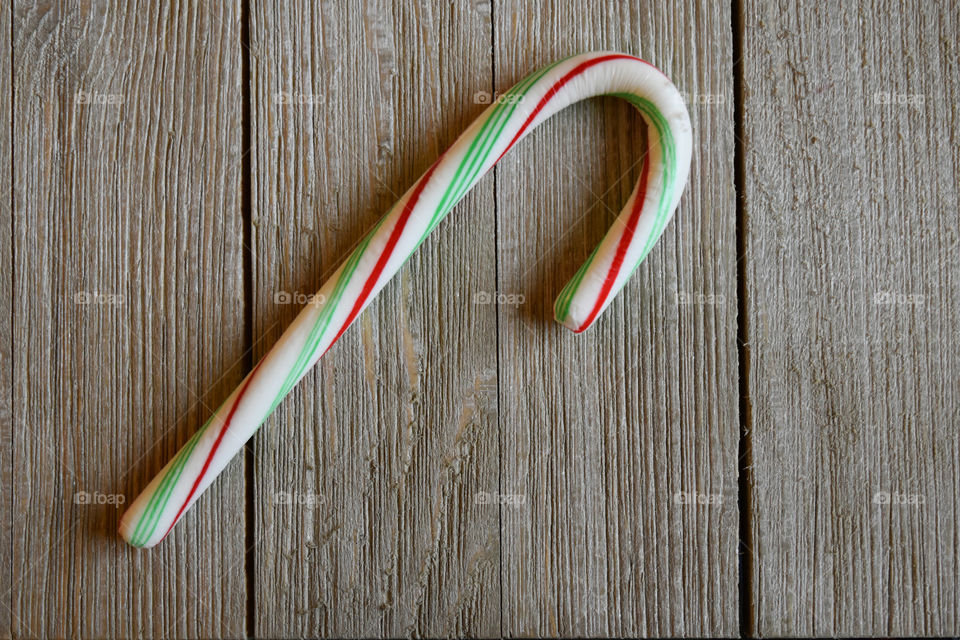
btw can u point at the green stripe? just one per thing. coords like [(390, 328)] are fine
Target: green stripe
[(571, 288), (655, 118), (319, 330), (160, 498), (526, 87), (669, 153), (140, 534), (498, 109), (486, 138), (304, 356), (155, 506)]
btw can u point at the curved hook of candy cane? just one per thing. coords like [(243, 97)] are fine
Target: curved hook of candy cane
[(398, 234)]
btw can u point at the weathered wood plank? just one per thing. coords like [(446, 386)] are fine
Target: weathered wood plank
[(6, 326), (128, 321), (383, 448), (851, 138), (603, 432)]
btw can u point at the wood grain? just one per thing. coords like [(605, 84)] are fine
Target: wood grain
[(851, 150), (367, 476), (607, 433), (6, 326), (128, 320), (122, 324)]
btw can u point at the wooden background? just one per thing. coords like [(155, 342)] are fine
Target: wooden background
[(789, 356)]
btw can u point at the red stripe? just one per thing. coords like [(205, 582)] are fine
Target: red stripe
[(216, 445), (367, 288), (625, 239), (580, 68), (398, 230), (622, 246), (408, 209)]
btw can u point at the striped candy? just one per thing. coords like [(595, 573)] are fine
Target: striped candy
[(398, 234)]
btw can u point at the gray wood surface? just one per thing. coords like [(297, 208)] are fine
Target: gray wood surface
[(384, 447), (602, 431), (128, 321), (425, 460), (158, 211), (851, 150), (6, 329)]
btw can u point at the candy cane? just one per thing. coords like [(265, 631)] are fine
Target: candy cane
[(398, 234)]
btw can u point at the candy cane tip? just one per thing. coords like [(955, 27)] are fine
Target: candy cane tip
[(126, 528), (571, 322)]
